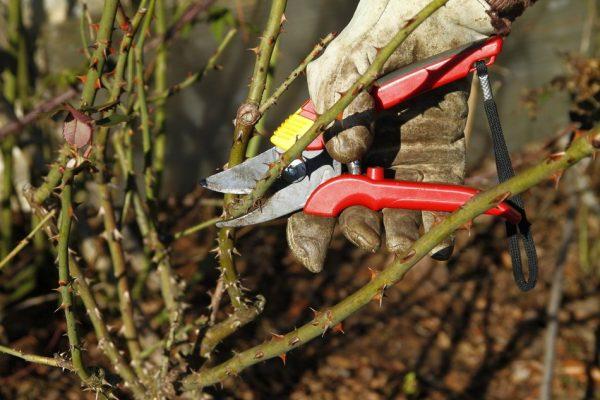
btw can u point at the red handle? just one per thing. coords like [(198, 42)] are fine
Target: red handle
[(398, 86), (414, 79), (376, 193)]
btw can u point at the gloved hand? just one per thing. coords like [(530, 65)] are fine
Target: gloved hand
[(422, 139)]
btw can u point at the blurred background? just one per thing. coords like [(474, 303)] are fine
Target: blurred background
[(450, 330)]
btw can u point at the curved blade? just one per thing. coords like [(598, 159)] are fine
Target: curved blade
[(292, 197), (242, 178)]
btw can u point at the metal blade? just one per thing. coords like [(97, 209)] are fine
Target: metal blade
[(242, 178), (321, 167)]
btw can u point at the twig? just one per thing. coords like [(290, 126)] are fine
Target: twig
[(271, 101), (38, 112), (363, 83), (51, 362), (196, 77), (187, 17), (25, 241), (582, 147), (196, 228)]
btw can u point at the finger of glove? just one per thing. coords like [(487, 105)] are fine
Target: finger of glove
[(401, 229), (362, 227), (349, 139), (308, 237), (443, 250)]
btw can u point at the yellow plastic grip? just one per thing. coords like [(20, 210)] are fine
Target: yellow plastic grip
[(294, 127)]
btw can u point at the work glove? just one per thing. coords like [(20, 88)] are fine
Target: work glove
[(421, 140)]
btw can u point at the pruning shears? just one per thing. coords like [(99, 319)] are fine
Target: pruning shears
[(315, 183)]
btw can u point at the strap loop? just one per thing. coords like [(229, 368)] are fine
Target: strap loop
[(505, 172)]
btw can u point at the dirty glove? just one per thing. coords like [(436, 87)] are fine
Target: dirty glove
[(421, 140)]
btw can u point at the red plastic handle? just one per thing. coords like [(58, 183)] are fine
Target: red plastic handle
[(398, 86), (376, 193), (414, 79)]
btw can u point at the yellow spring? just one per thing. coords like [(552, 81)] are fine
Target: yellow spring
[(290, 130)]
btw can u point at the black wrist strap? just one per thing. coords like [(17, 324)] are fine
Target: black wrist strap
[(505, 171)]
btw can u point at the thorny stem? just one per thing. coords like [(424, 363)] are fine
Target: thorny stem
[(105, 341), (25, 241), (217, 333), (51, 362), (160, 85), (319, 47), (167, 281), (255, 141), (147, 143), (88, 94), (111, 232), (363, 83), (64, 282), (102, 45), (247, 117), (581, 148)]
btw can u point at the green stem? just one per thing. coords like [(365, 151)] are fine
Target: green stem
[(64, 282), (160, 85), (363, 83), (100, 54), (196, 228), (255, 141), (51, 362), (105, 341), (88, 93), (247, 117), (581, 148), (25, 241), (319, 47), (147, 143), (112, 234)]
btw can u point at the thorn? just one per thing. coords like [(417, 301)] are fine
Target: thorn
[(556, 178), (258, 355), (125, 26), (316, 316), (467, 226), (338, 328), (373, 273), (283, 357), (94, 62), (408, 256), (556, 156), (255, 50), (283, 19), (500, 198), (277, 336), (97, 84), (95, 27)]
